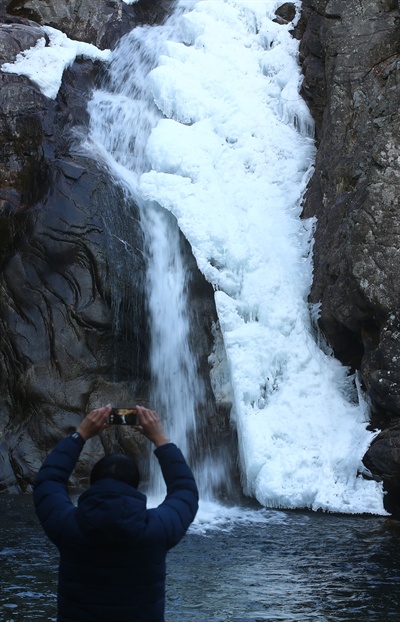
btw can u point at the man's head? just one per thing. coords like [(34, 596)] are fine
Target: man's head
[(116, 466)]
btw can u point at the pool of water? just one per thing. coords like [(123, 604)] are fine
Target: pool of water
[(256, 566)]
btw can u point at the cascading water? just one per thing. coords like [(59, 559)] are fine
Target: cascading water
[(121, 119), (176, 387)]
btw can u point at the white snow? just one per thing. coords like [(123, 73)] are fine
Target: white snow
[(231, 161), (44, 64)]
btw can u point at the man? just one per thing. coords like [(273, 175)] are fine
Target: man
[(112, 548)]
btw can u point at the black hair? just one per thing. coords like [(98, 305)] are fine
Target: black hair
[(117, 466)]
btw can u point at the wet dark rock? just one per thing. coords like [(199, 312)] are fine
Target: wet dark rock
[(61, 283), (285, 13), (384, 454), (73, 325), (351, 60), (383, 460), (66, 339), (16, 37), (99, 22), (23, 169), (312, 58)]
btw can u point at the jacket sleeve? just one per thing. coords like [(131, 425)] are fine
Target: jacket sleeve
[(180, 505), (50, 490)]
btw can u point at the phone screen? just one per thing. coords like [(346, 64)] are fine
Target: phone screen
[(123, 416)]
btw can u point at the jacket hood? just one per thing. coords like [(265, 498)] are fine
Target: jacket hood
[(112, 512)]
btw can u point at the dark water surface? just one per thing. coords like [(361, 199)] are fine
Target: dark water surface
[(292, 566)]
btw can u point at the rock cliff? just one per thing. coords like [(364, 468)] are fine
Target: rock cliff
[(351, 58), (73, 322), (65, 341)]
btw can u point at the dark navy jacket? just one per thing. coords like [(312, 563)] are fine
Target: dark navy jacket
[(112, 549)]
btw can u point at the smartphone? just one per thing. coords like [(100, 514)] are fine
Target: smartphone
[(123, 416)]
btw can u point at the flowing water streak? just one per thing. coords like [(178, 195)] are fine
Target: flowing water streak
[(121, 119)]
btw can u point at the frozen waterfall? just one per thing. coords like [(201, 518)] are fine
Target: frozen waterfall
[(231, 160)]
